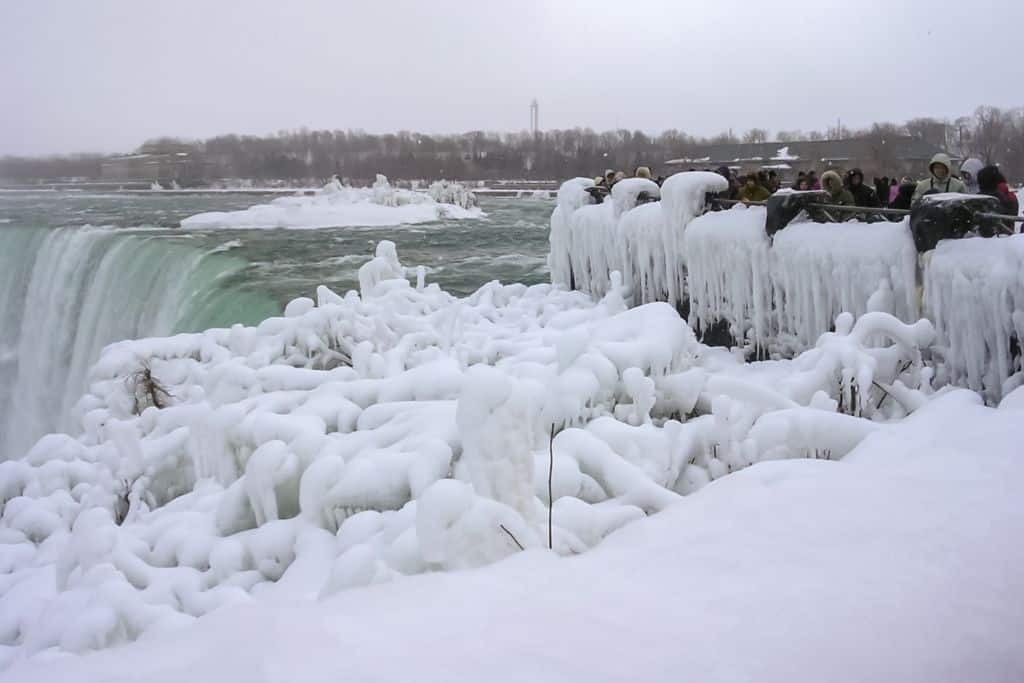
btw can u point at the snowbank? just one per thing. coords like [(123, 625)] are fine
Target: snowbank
[(899, 563), (336, 205), (399, 430)]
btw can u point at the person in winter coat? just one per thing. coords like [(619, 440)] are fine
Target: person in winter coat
[(905, 193), (992, 183), (733, 189), (862, 194), (881, 191), (752, 190), (812, 181), (969, 174), (940, 179), (894, 191), (833, 184)]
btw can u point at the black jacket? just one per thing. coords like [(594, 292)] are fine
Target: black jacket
[(863, 195), (905, 197)]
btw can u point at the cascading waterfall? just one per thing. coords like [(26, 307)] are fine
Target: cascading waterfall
[(71, 291)]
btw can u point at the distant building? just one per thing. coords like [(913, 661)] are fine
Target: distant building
[(891, 156), (184, 168)]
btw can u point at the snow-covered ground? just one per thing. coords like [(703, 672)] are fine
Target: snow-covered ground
[(360, 490), (336, 205), (900, 563)]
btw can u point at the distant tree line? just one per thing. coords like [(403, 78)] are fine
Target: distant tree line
[(994, 135)]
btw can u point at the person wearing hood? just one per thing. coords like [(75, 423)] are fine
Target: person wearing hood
[(969, 174), (752, 189), (833, 184), (862, 194), (940, 179), (733, 190), (992, 183)]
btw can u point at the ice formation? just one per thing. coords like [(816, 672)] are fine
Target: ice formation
[(643, 242), (398, 430), (337, 205), (974, 291), (70, 291), (821, 270), (729, 270), (778, 295)]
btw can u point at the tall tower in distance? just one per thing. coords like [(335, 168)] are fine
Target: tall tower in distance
[(534, 117)]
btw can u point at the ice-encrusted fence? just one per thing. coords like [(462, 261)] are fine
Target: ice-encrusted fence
[(779, 294)]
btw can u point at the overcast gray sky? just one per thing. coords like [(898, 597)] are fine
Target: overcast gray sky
[(103, 75)]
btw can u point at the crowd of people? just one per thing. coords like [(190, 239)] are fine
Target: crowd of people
[(849, 189), (603, 184)]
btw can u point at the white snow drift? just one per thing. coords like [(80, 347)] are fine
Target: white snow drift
[(900, 563), (336, 205)]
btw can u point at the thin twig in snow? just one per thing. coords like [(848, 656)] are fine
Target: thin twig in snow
[(514, 539), (551, 498)]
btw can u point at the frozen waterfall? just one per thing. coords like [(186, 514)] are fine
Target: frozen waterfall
[(71, 291)]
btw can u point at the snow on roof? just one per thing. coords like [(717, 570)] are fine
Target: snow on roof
[(784, 155), (687, 160)]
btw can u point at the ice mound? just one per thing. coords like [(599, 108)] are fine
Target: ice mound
[(398, 430), (337, 205)]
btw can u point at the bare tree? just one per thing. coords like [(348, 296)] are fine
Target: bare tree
[(790, 136), (990, 133), (755, 135), (928, 129)]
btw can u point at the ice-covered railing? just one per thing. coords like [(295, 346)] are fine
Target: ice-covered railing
[(779, 294), (643, 242), (974, 292), (788, 291), (397, 430)]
